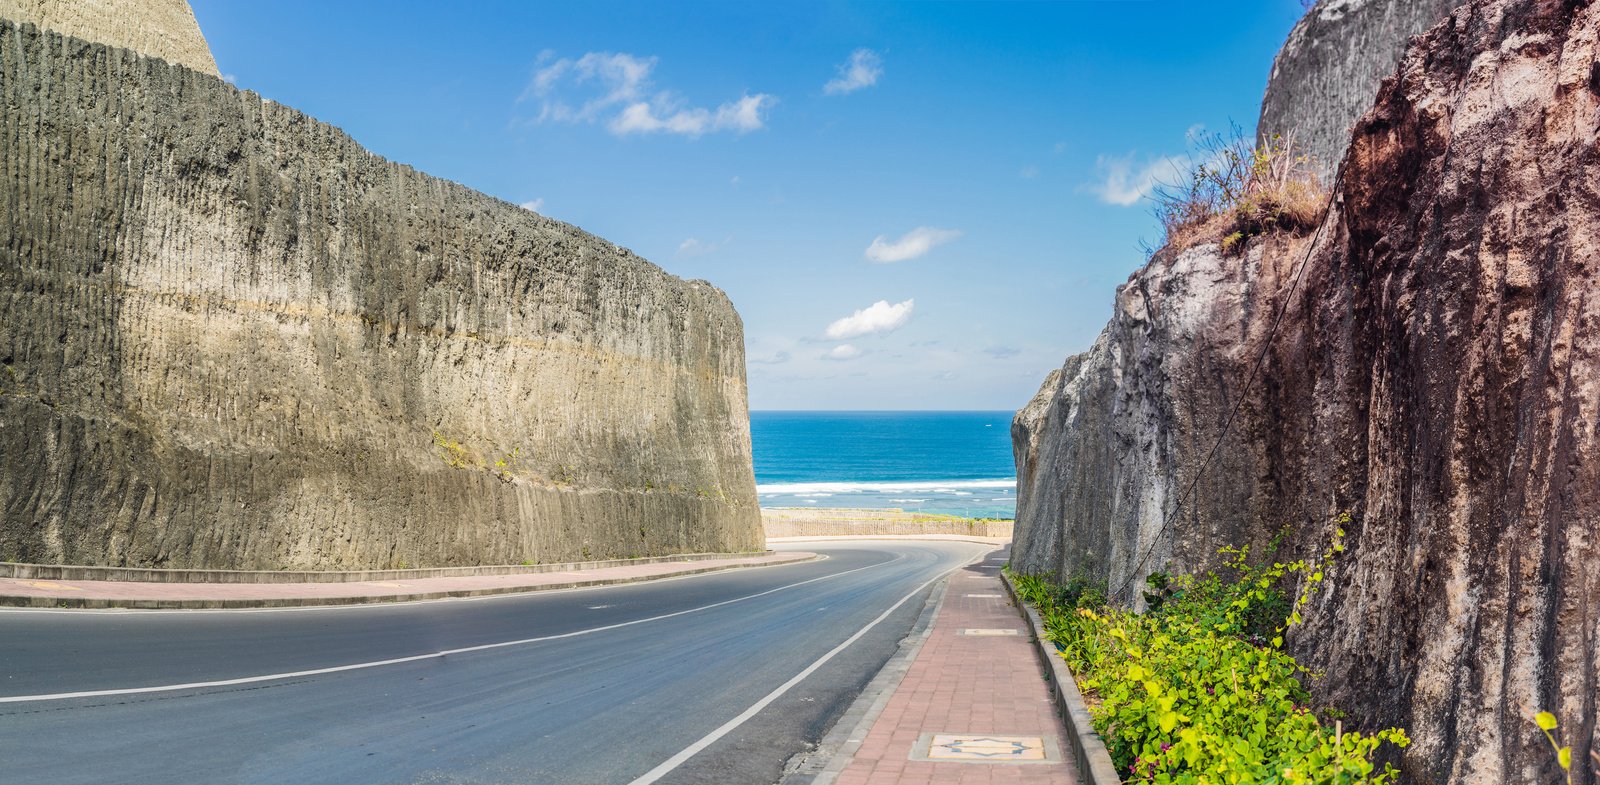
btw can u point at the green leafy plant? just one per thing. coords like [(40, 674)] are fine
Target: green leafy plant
[(452, 452), (505, 467), (1198, 689), (1547, 724)]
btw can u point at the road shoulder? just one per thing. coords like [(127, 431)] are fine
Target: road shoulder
[(968, 703)]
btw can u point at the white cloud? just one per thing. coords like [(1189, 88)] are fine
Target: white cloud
[(231, 79), (535, 205), (911, 245), (843, 351), (616, 87), (695, 246), (1029, 172), (862, 70), (879, 317), (617, 77), (648, 117), (775, 358), (1125, 183)]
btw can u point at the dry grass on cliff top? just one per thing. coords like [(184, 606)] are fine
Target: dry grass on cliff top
[(1238, 191)]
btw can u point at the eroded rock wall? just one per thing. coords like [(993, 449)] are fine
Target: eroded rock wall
[(1328, 71), (1116, 436), (160, 28), (230, 337), (1436, 374)]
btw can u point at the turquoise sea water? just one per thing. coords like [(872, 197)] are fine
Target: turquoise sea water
[(956, 463)]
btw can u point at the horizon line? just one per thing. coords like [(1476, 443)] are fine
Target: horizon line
[(884, 411)]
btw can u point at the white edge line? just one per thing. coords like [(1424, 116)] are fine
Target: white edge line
[(666, 766), (371, 606), (417, 657)]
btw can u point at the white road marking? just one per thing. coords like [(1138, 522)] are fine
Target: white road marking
[(417, 657), (711, 738)]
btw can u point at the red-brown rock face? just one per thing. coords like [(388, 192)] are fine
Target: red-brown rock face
[(1437, 374)]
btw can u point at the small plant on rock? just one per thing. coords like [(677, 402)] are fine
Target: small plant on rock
[(1548, 725), (452, 452), (1236, 191)]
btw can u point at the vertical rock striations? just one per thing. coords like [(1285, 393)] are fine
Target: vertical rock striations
[(1116, 436), (1326, 74), (1436, 373), (230, 337), (160, 28)]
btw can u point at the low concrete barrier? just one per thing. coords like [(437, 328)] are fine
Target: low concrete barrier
[(1088, 749), (68, 572), (800, 522)]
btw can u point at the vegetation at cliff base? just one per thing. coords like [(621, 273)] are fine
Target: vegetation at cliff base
[(1198, 689)]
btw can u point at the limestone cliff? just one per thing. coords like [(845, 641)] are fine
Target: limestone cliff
[(1436, 373), (231, 337), (1115, 436), (1328, 71), (160, 28)]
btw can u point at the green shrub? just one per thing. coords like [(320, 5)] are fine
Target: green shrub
[(1199, 690)]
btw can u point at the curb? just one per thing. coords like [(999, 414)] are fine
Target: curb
[(73, 572), (313, 602), (1088, 749), (995, 541), (838, 747)]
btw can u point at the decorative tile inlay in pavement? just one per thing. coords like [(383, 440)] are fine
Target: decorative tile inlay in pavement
[(984, 748), (990, 632)]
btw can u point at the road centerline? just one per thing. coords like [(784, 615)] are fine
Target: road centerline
[(427, 656)]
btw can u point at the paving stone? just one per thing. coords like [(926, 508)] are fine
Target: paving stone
[(971, 687)]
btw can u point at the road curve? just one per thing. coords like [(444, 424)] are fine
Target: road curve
[(588, 686)]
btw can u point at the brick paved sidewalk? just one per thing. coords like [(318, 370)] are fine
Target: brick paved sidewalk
[(974, 706), (132, 594)]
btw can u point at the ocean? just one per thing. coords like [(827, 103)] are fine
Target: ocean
[(955, 463)]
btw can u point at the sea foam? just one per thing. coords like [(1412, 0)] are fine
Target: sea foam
[(960, 487)]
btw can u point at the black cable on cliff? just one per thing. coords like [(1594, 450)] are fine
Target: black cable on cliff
[(1266, 346)]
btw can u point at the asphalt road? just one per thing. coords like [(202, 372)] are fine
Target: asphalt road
[(595, 686)]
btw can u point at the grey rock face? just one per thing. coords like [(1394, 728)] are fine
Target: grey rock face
[(159, 28), (1327, 72), (230, 337), (1115, 438), (1436, 374)]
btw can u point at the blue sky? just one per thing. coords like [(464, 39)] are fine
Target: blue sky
[(913, 205)]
